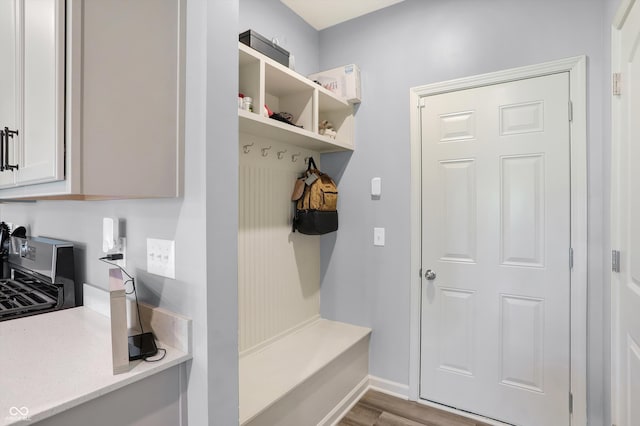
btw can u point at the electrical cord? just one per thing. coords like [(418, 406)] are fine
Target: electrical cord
[(118, 256), (132, 280), (148, 358), (106, 259)]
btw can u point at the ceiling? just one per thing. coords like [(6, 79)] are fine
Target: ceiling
[(321, 14)]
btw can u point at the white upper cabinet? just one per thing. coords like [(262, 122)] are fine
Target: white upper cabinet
[(40, 147), (8, 76), (269, 83), (32, 105), (95, 90)]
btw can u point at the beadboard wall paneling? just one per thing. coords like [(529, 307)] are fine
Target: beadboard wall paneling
[(278, 271)]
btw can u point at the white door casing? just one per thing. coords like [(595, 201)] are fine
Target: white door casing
[(575, 68), (625, 219)]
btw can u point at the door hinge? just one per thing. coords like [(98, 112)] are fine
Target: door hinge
[(570, 257), (420, 273), (570, 403), (617, 83), (615, 260), (570, 111), (422, 102)]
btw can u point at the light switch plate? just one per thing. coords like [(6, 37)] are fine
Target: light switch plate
[(161, 257), (378, 236), (376, 186)]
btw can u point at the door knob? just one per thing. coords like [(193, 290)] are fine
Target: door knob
[(430, 275)]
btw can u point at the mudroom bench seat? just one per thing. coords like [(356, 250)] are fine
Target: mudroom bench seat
[(304, 377)]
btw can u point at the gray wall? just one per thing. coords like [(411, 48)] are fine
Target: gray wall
[(203, 223), (416, 43), (272, 19), (221, 221), (410, 44)]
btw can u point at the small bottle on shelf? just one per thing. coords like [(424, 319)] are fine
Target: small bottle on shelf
[(247, 103)]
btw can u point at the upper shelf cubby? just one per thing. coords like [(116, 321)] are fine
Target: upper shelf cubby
[(284, 91)]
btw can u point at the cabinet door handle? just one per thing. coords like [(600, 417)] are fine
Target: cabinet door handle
[(1, 150), (8, 134)]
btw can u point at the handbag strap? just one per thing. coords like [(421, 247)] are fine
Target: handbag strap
[(311, 162)]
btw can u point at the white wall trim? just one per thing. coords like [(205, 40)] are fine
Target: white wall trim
[(347, 403), (398, 390), (369, 382), (622, 13), (505, 76), (415, 227), (616, 193), (576, 67)]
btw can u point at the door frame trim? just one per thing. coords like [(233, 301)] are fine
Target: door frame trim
[(616, 140), (576, 67)]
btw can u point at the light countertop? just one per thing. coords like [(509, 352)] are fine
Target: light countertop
[(52, 362)]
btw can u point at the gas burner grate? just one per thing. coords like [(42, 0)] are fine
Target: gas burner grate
[(19, 297)]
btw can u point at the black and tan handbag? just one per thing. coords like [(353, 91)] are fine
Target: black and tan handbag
[(316, 198)]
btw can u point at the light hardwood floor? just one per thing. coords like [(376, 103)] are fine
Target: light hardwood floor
[(379, 409)]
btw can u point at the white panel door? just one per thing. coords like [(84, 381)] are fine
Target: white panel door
[(496, 234), (625, 229)]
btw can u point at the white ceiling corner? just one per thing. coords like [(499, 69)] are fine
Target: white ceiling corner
[(321, 14)]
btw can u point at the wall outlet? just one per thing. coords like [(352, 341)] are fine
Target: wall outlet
[(112, 240), (161, 257), (122, 249)]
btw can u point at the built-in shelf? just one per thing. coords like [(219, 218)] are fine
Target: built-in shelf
[(254, 124), (269, 83)]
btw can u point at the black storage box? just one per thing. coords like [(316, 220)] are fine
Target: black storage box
[(264, 46)]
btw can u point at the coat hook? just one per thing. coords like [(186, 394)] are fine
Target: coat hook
[(294, 157), (306, 160), (247, 148), (265, 151), (281, 154)]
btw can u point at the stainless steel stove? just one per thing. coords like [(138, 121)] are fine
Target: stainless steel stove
[(41, 277)]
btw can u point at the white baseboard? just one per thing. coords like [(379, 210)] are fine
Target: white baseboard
[(390, 388), (346, 404), (370, 382)]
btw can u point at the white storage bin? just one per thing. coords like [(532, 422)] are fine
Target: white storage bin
[(343, 81)]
